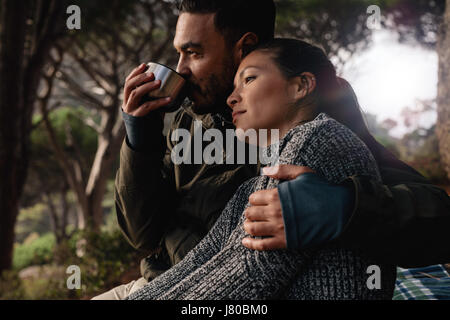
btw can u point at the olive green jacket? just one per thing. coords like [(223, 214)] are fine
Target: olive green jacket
[(162, 205), (166, 208)]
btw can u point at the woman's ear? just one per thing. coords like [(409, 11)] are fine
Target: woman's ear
[(305, 84), (245, 43)]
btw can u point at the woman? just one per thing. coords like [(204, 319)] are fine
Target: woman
[(283, 85)]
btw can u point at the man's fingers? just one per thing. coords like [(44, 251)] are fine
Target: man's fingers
[(255, 213), (264, 244), (286, 171), (151, 105), (135, 72), (261, 228), (137, 94), (263, 197), (135, 82), (139, 80)]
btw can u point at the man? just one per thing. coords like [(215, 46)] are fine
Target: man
[(165, 208)]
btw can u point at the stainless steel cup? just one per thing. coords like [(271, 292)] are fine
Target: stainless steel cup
[(172, 85)]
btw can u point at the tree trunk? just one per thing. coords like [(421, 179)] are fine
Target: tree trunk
[(23, 51), (443, 99), (14, 144), (109, 143)]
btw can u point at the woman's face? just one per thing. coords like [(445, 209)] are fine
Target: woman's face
[(262, 98)]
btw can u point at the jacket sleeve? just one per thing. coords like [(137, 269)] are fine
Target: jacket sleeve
[(144, 189), (404, 220)]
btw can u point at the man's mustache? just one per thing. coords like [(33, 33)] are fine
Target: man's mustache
[(191, 87)]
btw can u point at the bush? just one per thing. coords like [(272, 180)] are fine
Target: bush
[(36, 252), (103, 257)]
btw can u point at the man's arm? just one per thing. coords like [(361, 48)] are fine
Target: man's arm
[(144, 190), (405, 222)]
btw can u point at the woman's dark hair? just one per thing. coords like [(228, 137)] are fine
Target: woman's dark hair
[(234, 18), (334, 96)]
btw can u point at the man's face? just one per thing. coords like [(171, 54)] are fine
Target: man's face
[(205, 61)]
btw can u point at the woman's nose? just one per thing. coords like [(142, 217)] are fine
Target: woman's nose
[(232, 100)]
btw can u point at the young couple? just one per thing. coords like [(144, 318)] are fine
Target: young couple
[(205, 242)]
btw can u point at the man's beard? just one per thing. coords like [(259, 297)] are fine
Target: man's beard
[(216, 91)]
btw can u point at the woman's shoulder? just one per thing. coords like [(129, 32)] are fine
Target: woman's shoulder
[(323, 122), (323, 130), (332, 149)]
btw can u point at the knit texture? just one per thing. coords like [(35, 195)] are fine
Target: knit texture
[(220, 267)]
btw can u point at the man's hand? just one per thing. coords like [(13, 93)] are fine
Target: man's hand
[(264, 218), (137, 84)]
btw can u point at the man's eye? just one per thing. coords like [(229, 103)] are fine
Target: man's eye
[(191, 53)]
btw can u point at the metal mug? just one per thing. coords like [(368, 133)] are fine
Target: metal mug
[(172, 85)]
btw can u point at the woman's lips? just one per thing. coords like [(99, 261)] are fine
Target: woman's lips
[(237, 113)]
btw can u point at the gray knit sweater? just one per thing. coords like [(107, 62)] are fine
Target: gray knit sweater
[(220, 267)]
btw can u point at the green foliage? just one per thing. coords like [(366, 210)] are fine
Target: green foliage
[(65, 120), (32, 219), (37, 252), (102, 257), (11, 287), (339, 26), (106, 255), (421, 151)]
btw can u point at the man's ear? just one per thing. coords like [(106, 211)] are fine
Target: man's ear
[(304, 85), (246, 42)]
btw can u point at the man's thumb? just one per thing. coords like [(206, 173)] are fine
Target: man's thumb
[(285, 171)]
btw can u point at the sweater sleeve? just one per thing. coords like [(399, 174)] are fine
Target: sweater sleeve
[(204, 251)]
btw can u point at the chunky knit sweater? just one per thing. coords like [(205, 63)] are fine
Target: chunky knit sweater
[(220, 267)]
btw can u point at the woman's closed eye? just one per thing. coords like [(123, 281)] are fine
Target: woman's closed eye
[(249, 79)]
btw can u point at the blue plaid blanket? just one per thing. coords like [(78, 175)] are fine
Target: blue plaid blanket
[(429, 283)]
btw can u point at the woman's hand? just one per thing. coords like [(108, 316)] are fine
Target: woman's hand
[(264, 218)]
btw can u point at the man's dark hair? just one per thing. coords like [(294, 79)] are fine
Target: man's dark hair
[(234, 18)]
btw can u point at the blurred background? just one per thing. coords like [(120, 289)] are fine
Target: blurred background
[(61, 128)]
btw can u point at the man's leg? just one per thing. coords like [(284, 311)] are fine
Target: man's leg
[(122, 291)]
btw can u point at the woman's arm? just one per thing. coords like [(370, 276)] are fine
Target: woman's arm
[(204, 251), (238, 273)]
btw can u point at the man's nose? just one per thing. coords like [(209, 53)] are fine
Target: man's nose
[(183, 69)]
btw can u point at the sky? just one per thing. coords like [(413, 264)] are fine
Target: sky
[(390, 76)]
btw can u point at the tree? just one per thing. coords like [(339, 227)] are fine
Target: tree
[(443, 99), (27, 31), (427, 22), (91, 72), (339, 26)]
